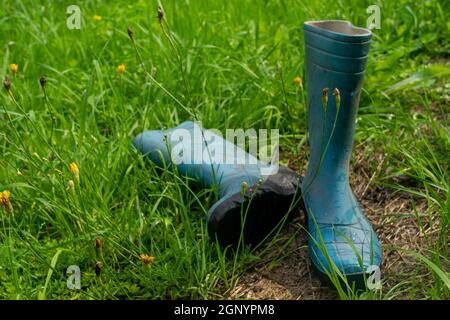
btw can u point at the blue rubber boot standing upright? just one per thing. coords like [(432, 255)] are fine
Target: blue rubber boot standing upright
[(340, 235), (254, 197)]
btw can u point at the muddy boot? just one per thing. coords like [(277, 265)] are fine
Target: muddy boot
[(253, 196), (340, 235)]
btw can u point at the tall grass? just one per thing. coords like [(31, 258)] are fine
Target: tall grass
[(233, 66)]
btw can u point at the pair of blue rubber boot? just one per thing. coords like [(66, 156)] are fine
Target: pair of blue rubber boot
[(256, 197)]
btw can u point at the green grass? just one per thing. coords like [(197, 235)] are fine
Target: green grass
[(232, 65)]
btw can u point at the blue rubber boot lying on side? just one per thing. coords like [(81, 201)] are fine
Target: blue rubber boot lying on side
[(254, 196), (336, 56)]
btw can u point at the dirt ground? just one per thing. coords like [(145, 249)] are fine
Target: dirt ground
[(393, 218)]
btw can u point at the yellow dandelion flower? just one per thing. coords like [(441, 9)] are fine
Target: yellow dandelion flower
[(121, 68), (298, 81), (1, 199), (146, 259), (97, 17), (14, 68), (6, 199), (74, 170)]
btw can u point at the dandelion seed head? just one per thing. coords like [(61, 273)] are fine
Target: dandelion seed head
[(42, 81), (98, 268), (98, 243), (337, 96), (7, 84), (325, 97), (244, 187), (130, 32), (70, 185)]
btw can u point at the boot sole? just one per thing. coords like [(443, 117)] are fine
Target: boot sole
[(250, 218), (356, 281)]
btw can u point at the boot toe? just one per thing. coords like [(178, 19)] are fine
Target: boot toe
[(353, 249)]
